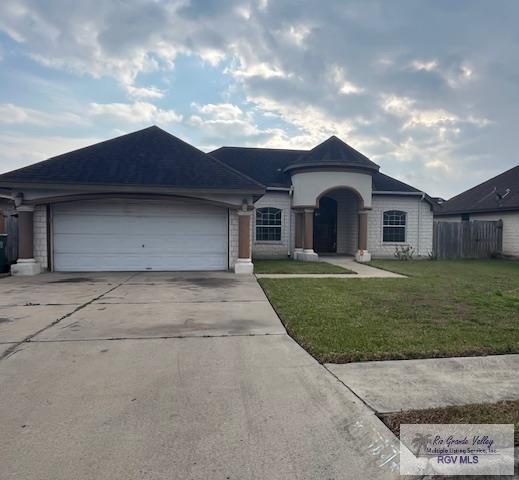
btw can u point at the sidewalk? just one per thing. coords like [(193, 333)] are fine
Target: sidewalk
[(395, 385)]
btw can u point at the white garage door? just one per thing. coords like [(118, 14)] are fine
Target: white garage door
[(137, 235)]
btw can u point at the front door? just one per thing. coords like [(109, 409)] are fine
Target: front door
[(325, 226)]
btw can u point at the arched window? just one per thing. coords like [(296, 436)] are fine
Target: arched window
[(268, 224), (394, 226)]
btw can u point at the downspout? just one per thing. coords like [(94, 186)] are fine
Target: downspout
[(419, 221), (290, 194)]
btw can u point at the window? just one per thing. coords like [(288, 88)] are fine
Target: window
[(268, 225), (394, 226)]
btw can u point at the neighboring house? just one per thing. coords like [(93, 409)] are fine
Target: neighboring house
[(495, 199), (149, 201)]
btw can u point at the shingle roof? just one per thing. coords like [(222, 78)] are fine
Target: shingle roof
[(334, 152), (149, 157), (267, 165), (498, 193)]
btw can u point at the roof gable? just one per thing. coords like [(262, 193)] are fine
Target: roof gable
[(334, 152), (149, 157), (498, 193)]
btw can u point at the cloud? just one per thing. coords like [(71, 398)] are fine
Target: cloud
[(134, 113), (377, 74), (144, 92), (11, 114)]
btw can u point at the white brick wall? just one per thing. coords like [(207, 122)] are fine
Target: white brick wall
[(510, 228), (418, 229), (233, 237), (40, 235), (280, 249)]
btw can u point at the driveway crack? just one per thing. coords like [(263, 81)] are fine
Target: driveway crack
[(11, 350)]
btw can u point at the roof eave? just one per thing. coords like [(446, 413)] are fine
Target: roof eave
[(128, 187), (480, 210), (328, 165)]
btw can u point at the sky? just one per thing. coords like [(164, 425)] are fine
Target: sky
[(428, 90)]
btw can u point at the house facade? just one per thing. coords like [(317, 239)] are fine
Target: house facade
[(149, 201), (495, 199)]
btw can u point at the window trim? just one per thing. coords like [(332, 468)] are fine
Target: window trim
[(280, 226), (394, 242)]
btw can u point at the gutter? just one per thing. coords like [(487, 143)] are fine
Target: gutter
[(290, 195)]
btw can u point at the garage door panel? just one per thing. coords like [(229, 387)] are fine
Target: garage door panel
[(131, 263), (78, 244), (116, 235), (176, 224)]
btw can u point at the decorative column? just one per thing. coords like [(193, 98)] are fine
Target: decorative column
[(308, 246), (26, 264), (300, 225), (362, 254), (244, 262)]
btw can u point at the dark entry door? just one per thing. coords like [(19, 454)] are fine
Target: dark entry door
[(325, 226)]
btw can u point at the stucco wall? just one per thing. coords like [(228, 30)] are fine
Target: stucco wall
[(510, 228), (279, 249), (309, 186), (40, 235), (419, 228)]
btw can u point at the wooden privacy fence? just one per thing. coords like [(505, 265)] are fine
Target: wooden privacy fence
[(474, 239)]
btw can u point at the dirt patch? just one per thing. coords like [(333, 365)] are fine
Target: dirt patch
[(75, 280), (500, 412), (4, 320)]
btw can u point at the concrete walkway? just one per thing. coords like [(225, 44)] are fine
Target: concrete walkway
[(391, 386), (170, 376), (361, 270)]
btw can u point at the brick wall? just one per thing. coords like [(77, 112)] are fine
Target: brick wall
[(419, 228), (279, 249), (40, 235), (233, 238)]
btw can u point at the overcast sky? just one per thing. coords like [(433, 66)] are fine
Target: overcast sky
[(428, 90)]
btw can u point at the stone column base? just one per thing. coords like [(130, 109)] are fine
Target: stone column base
[(298, 252), (362, 256), (244, 266), (26, 266), (309, 256)]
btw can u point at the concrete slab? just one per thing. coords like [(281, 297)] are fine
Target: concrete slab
[(391, 386), (17, 323), (50, 293), (4, 347), (197, 408), (194, 289), (69, 278), (155, 320)]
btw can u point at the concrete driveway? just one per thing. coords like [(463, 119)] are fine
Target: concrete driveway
[(170, 376)]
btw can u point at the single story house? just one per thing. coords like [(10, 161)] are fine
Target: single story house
[(495, 199), (149, 201)]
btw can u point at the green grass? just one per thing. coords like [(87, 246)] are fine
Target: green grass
[(296, 266), (443, 309), (501, 412)]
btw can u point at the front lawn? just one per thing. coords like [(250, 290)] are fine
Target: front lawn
[(501, 412), (443, 309), (296, 266)]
